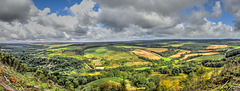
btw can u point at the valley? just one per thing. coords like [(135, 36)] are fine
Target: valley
[(128, 65)]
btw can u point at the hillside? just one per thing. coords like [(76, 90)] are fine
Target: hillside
[(14, 77)]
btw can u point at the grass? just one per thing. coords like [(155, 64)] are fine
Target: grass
[(59, 49), (115, 58), (166, 59), (235, 47), (136, 63), (166, 76), (113, 48), (179, 54), (77, 57), (99, 81), (196, 54), (143, 68), (205, 50), (98, 51), (211, 57), (90, 74), (217, 46), (179, 44), (69, 53), (146, 54), (56, 45), (176, 61), (113, 55), (26, 78), (129, 47), (159, 50), (177, 78), (72, 55)]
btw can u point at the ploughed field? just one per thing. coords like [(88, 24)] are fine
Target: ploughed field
[(112, 62)]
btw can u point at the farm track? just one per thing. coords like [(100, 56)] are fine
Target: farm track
[(88, 66)]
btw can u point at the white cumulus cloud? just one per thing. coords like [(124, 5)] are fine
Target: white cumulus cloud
[(20, 20)]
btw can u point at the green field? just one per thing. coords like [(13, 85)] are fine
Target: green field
[(98, 51), (99, 81), (211, 57), (143, 68), (235, 47), (166, 59)]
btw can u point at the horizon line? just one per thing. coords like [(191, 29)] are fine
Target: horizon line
[(96, 41)]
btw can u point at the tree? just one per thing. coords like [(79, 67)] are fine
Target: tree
[(110, 86), (175, 72), (69, 85), (124, 88), (165, 85), (139, 79), (82, 80)]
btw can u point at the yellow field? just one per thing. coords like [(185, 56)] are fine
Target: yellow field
[(180, 44), (96, 62), (91, 74), (136, 63), (179, 54), (159, 50), (229, 50), (146, 54), (69, 53), (204, 50), (56, 45), (175, 42), (217, 46), (75, 47), (195, 54)]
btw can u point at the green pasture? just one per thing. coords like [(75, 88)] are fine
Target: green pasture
[(99, 81), (210, 57), (143, 68), (235, 47), (166, 59), (98, 51)]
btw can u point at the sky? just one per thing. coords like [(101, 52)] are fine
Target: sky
[(117, 20)]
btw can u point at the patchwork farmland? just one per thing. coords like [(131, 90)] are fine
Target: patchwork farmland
[(142, 65)]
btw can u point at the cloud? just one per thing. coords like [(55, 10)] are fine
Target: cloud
[(43, 25), (196, 17), (11, 10), (119, 14), (233, 7), (162, 19), (84, 12), (121, 20), (217, 10)]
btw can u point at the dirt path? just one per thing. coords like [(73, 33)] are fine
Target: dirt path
[(88, 66)]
